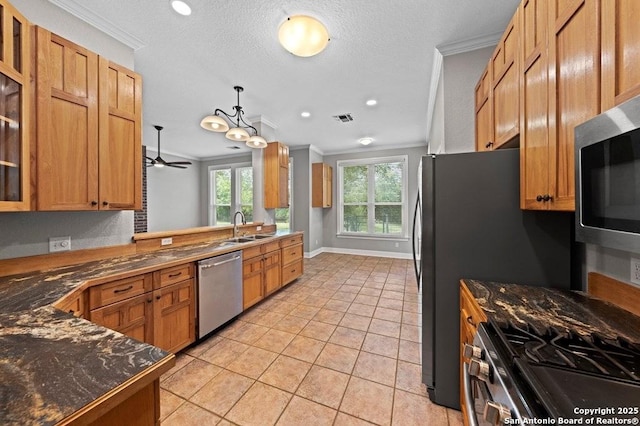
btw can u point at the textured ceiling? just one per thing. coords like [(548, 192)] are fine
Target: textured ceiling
[(380, 50)]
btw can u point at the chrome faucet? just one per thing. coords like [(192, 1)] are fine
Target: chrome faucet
[(235, 226)]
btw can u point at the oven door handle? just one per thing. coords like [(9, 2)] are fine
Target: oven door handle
[(468, 397)]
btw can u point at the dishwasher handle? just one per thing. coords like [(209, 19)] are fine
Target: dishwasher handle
[(211, 265)]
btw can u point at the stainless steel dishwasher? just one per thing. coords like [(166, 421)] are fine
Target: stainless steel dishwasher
[(219, 291)]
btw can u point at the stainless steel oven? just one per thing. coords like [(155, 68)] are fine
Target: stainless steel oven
[(492, 395)]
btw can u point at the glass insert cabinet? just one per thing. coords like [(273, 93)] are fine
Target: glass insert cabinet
[(14, 109)]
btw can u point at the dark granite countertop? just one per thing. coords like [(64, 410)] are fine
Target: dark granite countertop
[(53, 364), (542, 308)]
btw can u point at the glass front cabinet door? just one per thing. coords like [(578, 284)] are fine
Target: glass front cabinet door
[(14, 109)]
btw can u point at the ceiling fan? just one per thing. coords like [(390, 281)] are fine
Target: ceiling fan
[(159, 162)]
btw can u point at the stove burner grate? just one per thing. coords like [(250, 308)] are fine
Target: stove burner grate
[(567, 349)]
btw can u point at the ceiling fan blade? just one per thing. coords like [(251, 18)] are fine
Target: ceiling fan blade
[(174, 165), (188, 163)]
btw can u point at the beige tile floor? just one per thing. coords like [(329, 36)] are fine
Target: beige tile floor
[(339, 346)]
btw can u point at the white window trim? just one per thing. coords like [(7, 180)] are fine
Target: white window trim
[(404, 234), (211, 188)]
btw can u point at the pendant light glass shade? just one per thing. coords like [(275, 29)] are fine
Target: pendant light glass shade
[(303, 35), (237, 134), (256, 142), (214, 123)]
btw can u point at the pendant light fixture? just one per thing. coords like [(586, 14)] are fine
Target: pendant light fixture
[(239, 133), (303, 35)]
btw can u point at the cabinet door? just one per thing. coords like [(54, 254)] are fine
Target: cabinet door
[(15, 98), (506, 114), (620, 51), (174, 312), (67, 124), (321, 185), (574, 72), (252, 281), (483, 108), (535, 160), (133, 317), (120, 151), (272, 278), (276, 175)]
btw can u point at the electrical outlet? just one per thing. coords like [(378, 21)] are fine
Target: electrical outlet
[(397, 245), (166, 241), (635, 271), (59, 244), (258, 228)]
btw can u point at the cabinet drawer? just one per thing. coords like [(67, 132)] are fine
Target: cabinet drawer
[(272, 246), (250, 252), (115, 291), (176, 274), (290, 241), (291, 254), (291, 271)]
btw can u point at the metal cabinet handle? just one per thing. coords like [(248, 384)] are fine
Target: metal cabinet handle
[(122, 290), (489, 145), (175, 275), (105, 203)]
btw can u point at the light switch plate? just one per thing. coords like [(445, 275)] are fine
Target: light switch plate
[(635, 271), (166, 241)]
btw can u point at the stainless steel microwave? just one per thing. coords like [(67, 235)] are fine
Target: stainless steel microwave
[(608, 178)]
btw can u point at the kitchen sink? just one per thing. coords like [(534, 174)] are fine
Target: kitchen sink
[(240, 240), (227, 243), (261, 236)]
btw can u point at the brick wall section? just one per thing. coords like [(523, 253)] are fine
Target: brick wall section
[(140, 216)]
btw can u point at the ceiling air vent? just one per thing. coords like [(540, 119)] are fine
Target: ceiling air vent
[(343, 118)]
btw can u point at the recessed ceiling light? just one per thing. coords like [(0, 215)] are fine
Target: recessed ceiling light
[(305, 114), (365, 141), (371, 102), (181, 7)]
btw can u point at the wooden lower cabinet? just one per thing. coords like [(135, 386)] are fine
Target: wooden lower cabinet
[(292, 262), (261, 276), (174, 314), (163, 315), (470, 316), (132, 317)]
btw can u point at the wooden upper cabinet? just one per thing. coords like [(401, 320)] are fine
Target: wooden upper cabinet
[(505, 79), (321, 185), (276, 175), (574, 82), (620, 51), (89, 150), (67, 124), (560, 89), (15, 98), (534, 110), (484, 111), (120, 112)]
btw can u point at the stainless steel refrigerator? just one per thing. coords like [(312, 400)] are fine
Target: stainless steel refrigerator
[(472, 227)]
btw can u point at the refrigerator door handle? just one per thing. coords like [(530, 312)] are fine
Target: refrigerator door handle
[(417, 214)]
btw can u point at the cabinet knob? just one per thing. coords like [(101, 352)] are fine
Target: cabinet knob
[(158, 297), (94, 203), (489, 145), (539, 198), (547, 197), (105, 203), (470, 321)]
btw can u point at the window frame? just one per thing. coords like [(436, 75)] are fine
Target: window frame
[(234, 185), (371, 163)]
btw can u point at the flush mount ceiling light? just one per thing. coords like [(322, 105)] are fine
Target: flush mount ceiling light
[(365, 141), (181, 7), (239, 133), (303, 35)]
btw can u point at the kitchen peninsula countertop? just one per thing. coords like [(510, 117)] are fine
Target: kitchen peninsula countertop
[(542, 308), (53, 364)]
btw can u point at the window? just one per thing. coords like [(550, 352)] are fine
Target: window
[(372, 197), (231, 189), (284, 215)]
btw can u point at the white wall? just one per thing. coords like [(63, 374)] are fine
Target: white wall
[(461, 73), (25, 234), (173, 195)]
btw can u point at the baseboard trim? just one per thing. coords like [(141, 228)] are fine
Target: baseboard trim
[(358, 252)]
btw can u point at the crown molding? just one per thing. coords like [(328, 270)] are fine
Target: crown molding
[(81, 12), (470, 44), (261, 119)]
